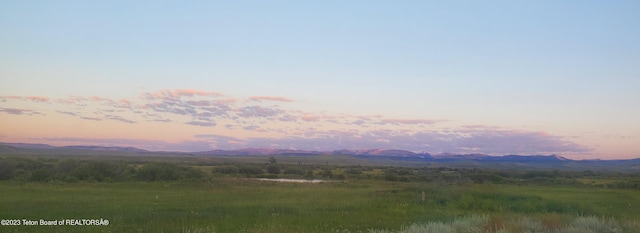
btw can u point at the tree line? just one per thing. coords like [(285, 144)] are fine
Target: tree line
[(70, 170)]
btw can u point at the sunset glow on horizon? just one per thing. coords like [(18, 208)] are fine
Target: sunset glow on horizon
[(468, 77)]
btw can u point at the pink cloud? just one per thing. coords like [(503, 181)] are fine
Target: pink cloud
[(270, 98), (206, 108), (227, 101), (310, 117), (72, 100), (97, 98), (191, 92), (178, 93), (38, 98), (123, 103), (11, 97), (26, 98)]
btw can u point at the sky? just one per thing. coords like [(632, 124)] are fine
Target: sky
[(493, 77)]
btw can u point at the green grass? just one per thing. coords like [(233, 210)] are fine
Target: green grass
[(240, 205)]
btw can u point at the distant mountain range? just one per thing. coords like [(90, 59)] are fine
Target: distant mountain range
[(106, 148), (45, 146), (397, 154), (27, 145), (376, 154)]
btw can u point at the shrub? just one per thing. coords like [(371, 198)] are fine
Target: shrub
[(309, 174), (97, 170), (166, 172), (42, 174), (6, 169), (294, 171), (21, 175), (327, 173), (158, 171), (353, 171), (228, 169), (390, 175), (250, 170), (273, 169)]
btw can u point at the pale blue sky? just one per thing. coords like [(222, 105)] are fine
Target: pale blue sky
[(565, 68)]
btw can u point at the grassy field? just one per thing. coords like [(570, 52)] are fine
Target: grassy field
[(226, 204)]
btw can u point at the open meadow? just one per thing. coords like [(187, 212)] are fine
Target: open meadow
[(226, 198), (335, 116)]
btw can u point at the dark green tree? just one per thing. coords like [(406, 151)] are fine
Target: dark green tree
[(273, 167)]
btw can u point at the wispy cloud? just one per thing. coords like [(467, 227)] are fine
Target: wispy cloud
[(178, 93), (25, 98), (257, 111), (38, 98), (202, 123), (203, 108), (288, 118), (123, 103), (289, 127), (161, 120), (98, 98), (192, 92), (19, 111), (408, 121), (67, 113), (220, 141), (251, 127), (148, 115), (311, 117), (497, 142), (270, 98), (91, 118), (119, 118), (72, 100)]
